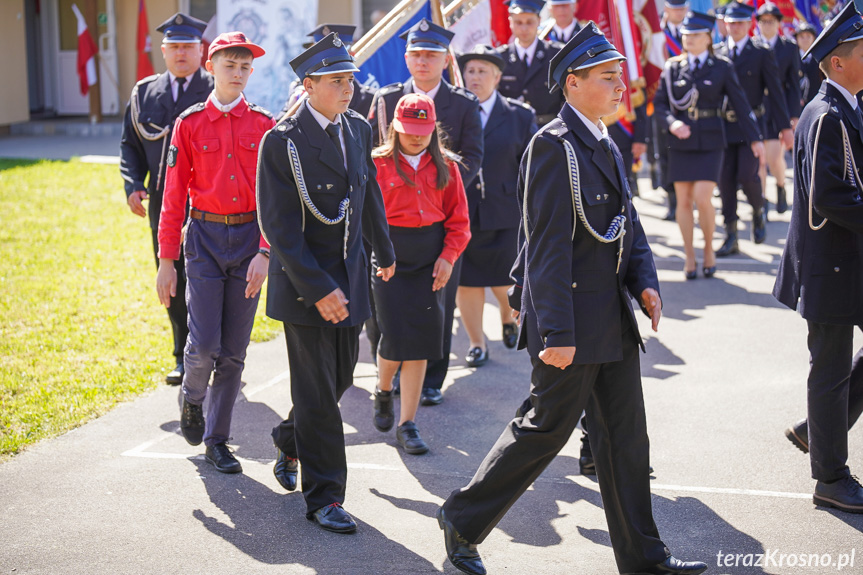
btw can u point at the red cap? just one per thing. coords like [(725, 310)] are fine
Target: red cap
[(233, 40), (415, 115)]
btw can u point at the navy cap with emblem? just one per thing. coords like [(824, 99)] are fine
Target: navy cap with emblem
[(182, 28), (806, 27), (737, 12), (846, 27), (482, 52), (696, 22), (719, 12), (426, 35), (586, 49), (329, 56), (525, 6), (345, 32), (677, 3), (769, 9)]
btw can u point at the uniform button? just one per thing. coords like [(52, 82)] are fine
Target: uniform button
[(235, 199), (524, 92), (205, 147), (300, 299), (229, 156), (421, 211), (478, 186), (232, 177), (836, 269), (319, 186), (253, 144), (224, 115), (419, 192), (350, 188), (351, 211), (574, 285), (598, 197)]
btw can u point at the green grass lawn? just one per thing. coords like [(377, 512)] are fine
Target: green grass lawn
[(81, 328)]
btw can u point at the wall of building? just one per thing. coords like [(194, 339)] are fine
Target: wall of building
[(13, 94)]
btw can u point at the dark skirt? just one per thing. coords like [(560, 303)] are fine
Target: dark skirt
[(685, 166), (410, 315), (488, 258)]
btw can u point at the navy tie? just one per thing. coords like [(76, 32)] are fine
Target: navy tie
[(180, 90), (333, 132)]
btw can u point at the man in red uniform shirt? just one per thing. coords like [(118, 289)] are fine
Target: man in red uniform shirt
[(212, 160)]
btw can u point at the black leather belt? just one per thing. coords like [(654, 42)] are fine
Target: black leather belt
[(731, 115), (228, 219), (699, 113)]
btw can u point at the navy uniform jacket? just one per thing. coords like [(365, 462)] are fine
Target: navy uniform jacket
[(361, 101), (810, 79), (140, 157), (715, 80), (457, 112), (531, 87), (309, 264), (821, 273), (572, 294), (491, 196), (553, 37), (759, 76), (788, 61)]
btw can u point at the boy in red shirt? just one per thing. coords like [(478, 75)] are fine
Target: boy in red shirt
[(212, 161)]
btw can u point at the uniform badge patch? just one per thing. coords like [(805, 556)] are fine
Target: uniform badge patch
[(172, 156)]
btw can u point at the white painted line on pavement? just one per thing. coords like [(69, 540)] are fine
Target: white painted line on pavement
[(730, 491)]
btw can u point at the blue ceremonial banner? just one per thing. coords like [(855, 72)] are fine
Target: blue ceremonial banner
[(387, 64), (811, 11)]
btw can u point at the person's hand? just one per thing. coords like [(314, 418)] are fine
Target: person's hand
[(787, 139), (638, 150), (333, 307), (256, 275), (166, 281), (680, 129), (441, 273), (758, 152), (651, 302), (386, 273), (134, 201), (559, 357)]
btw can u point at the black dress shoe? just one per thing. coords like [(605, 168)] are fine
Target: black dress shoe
[(781, 201), (677, 567), (476, 357), (798, 434), (431, 396), (461, 554), (285, 470), (409, 438), (175, 376), (586, 464), (759, 226), (510, 335), (844, 495), (333, 518), (192, 423), (384, 416), (690, 275), (708, 272), (222, 458)]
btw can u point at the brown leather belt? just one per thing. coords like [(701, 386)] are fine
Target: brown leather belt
[(229, 219)]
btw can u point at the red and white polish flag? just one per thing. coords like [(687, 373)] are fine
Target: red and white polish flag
[(86, 53)]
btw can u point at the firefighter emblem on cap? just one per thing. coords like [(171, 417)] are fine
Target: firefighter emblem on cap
[(424, 26), (336, 41)]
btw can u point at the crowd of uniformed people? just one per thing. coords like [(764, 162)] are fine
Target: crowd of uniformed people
[(387, 209)]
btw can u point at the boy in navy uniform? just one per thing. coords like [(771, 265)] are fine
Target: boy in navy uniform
[(318, 197), (211, 166), (458, 114), (810, 74), (577, 324), (565, 24), (155, 103), (527, 57), (821, 274)]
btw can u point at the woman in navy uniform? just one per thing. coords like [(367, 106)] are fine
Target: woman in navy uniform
[(565, 24), (317, 196), (689, 101), (527, 57), (494, 211), (821, 271), (810, 74)]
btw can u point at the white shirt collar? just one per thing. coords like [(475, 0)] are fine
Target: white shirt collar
[(700, 57), (740, 45), (672, 28), (848, 95), (771, 43), (431, 93), (598, 131), (224, 108), (321, 119), (565, 32), (488, 105), (414, 161), (529, 51)]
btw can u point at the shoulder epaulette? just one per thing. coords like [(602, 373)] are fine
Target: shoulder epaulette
[(260, 110), (556, 128), (354, 114), (759, 42), (678, 58), (722, 58), (147, 80), (521, 104), (194, 108), (285, 126), (464, 93), (390, 88)]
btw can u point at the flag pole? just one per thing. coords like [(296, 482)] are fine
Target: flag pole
[(438, 18), (90, 15)]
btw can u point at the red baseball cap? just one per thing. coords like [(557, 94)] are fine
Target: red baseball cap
[(233, 40), (415, 115)]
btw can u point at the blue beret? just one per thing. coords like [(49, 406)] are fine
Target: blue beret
[(846, 27), (426, 35), (345, 32), (182, 28), (696, 22), (586, 49), (737, 12), (329, 56), (525, 6)]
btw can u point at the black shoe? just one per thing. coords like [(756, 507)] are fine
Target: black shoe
[(781, 201), (798, 434), (586, 464), (384, 416), (461, 554), (675, 566), (192, 423), (431, 396), (409, 438), (759, 226), (690, 275), (175, 376), (476, 357), (222, 458), (285, 470), (672, 207), (709, 272), (510, 335), (729, 246), (844, 495), (333, 518)]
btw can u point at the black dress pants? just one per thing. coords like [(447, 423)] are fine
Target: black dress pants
[(739, 168), (612, 395), (835, 398), (322, 361)]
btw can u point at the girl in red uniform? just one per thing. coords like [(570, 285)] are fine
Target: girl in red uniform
[(429, 227)]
